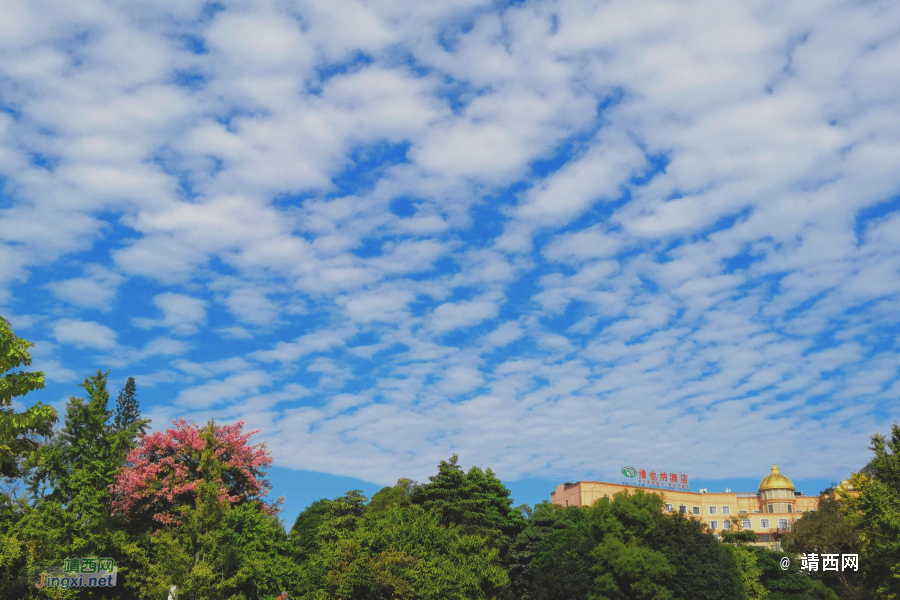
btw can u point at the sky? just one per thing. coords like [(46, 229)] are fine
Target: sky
[(554, 238)]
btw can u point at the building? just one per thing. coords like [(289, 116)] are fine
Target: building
[(768, 512)]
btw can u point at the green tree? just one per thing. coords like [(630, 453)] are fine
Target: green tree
[(17, 429), (304, 535), (875, 512), (388, 496), (704, 569), (746, 561), (476, 501), (780, 583), (217, 551), (625, 565), (550, 558), (828, 530), (402, 552)]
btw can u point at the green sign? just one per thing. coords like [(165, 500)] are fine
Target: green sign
[(629, 471)]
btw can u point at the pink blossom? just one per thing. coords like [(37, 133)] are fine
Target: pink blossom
[(164, 471)]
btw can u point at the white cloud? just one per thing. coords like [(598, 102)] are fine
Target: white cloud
[(453, 315), (97, 290), (181, 313), (684, 214), (250, 306), (84, 334)]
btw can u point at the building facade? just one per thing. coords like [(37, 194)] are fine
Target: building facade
[(767, 512)]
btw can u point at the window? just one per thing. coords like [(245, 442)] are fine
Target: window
[(742, 512), (765, 538), (726, 524), (712, 510), (782, 523), (726, 510), (713, 524), (764, 523), (746, 524), (696, 510), (790, 508), (682, 509), (668, 508)]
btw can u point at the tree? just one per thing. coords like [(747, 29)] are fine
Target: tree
[(476, 501), (875, 512), (219, 548), (785, 584), (402, 552), (389, 496), (745, 559), (551, 557), (828, 530), (704, 569), (127, 416), (17, 429), (304, 535), (165, 471), (625, 565)]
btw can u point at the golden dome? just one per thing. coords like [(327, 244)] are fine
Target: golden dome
[(775, 481)]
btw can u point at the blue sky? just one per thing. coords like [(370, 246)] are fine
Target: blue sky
[(552, 237)]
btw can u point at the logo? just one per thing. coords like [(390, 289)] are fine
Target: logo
[(629, 472), (78, 572)]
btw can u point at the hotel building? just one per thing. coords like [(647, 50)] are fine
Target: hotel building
[(767, 512)]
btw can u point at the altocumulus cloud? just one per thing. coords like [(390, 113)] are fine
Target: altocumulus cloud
[(549, 236)]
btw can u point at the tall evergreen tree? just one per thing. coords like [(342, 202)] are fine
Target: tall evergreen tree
[(127, 416)]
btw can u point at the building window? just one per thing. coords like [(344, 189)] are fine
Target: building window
[(713, 524), (726, 524), (682, 509), (746, 524), (668, 508), (782, 523), (765, 538), (712, 510), (726, 510), (742, 512), (764, 523), (790, 508), (696, 510)]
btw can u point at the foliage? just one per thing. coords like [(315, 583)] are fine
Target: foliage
[(625, 565), (304, 536), (738, 537), (17, 429), (829, 530), (127, 416), (704, 570), (875, 512), (746, 560), (388, 497), (218, 550), (551, 557), (165, 471), (403, 552), (476, 501)]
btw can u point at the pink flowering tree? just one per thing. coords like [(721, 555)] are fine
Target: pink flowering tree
[(166, 470)]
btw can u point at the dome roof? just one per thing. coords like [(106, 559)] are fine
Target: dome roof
[(775, 481)]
